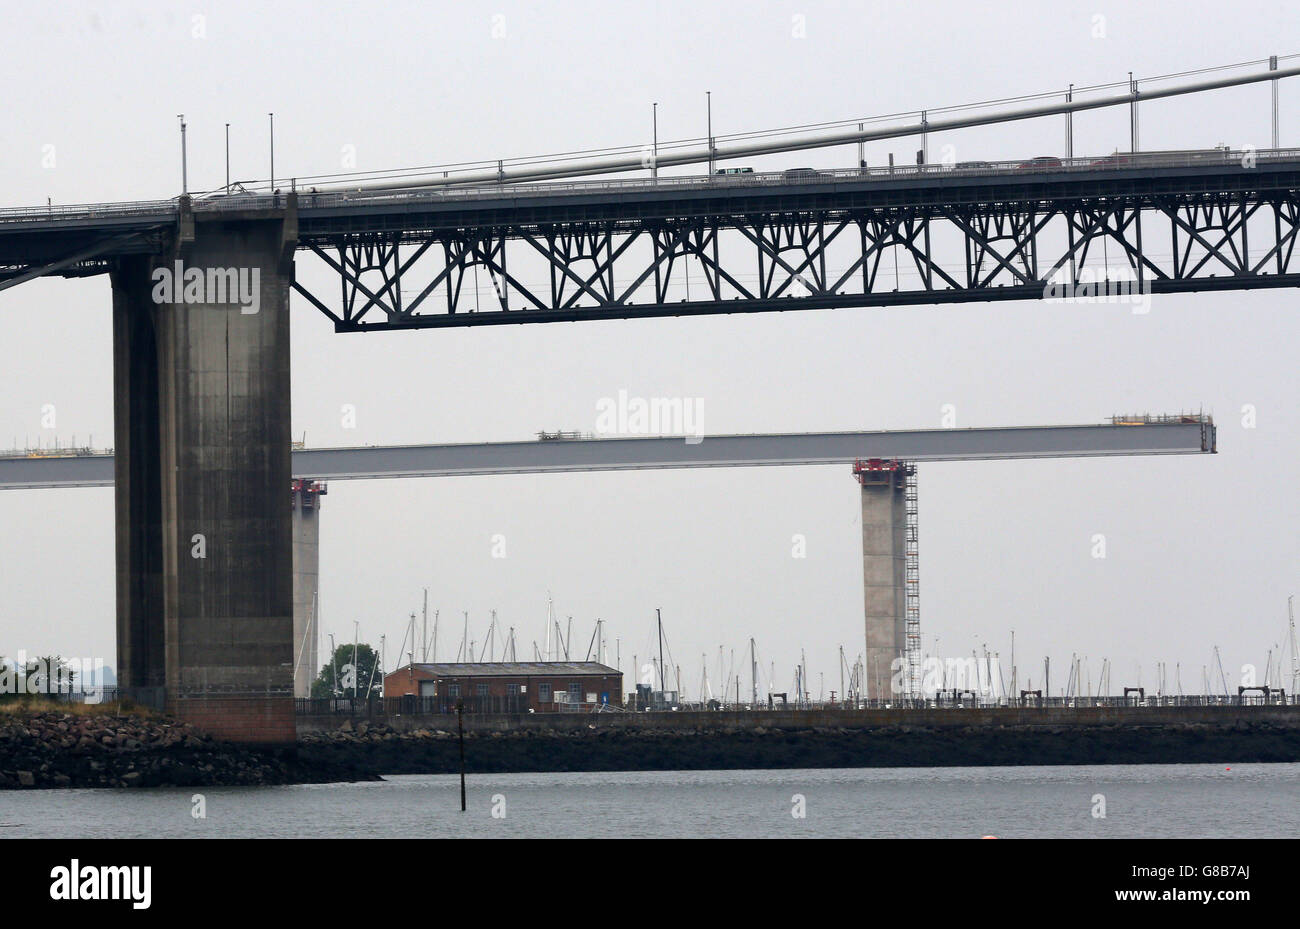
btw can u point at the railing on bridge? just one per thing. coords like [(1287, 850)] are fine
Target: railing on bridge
[(56, 451), (217, 201), (1121, 161), (87, 210)]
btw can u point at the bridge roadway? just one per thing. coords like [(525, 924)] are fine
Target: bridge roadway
[(1164, 436), (335, 212)]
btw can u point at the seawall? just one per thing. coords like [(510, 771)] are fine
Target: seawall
[(894, 738), (1031, 717)]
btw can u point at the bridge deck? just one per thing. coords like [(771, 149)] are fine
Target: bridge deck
[(728, 451), (628, 248), (321, 211)]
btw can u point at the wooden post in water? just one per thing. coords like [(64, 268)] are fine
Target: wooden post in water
[(460, 732)]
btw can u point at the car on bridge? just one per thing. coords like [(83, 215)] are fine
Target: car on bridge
[(1115, 160), (735, 175), (802, 174), (1041, 163)]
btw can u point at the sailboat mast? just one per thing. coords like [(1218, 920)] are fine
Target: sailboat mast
[(1014, 683), (550, 623), (1295, 659), (659, 619), (410, 631)]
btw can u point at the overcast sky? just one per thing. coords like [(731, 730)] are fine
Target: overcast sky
[(1200, 551)]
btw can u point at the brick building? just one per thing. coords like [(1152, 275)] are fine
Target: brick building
[(508, 686)]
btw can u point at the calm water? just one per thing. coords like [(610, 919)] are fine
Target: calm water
[(1141, 800)]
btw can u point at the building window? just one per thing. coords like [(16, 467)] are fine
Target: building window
[(575, 693), (482, 690), (453, 690), (544, 693)]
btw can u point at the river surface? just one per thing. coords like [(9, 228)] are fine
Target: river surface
[(1250, 800)]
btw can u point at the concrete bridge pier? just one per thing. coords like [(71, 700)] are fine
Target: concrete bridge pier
[(884, 575), (306, 583), (202, 436)]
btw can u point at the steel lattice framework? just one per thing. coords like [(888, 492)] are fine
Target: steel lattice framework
[(912, 582), (820, 257)]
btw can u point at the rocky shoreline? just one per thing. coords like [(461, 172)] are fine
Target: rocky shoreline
[(50, 749), (54, 749)]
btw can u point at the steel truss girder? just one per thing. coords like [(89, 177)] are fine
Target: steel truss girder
[(82, 263), (784, 261)]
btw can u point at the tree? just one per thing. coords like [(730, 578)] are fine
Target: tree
[(361, 678), (49, 674)]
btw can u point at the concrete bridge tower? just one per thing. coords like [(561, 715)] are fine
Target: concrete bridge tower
[(202, 436), (891, 659), (306, 583)]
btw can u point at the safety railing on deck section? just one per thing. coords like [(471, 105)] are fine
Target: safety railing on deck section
[(1149, 419)]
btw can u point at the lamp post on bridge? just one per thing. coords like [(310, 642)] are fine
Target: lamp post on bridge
[(185, 184), (1272, 66), (272, 116), (654, 152), (227, 159), (708, 95), (1133, 113), (1069, 124)]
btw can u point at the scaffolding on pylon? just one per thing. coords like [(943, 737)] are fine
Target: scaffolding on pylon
[(912, 580)]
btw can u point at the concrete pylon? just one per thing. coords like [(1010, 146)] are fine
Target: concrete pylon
[(884, 573), (306, 583), (202, 435)]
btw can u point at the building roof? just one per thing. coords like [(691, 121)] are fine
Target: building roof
[(511, 668)]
